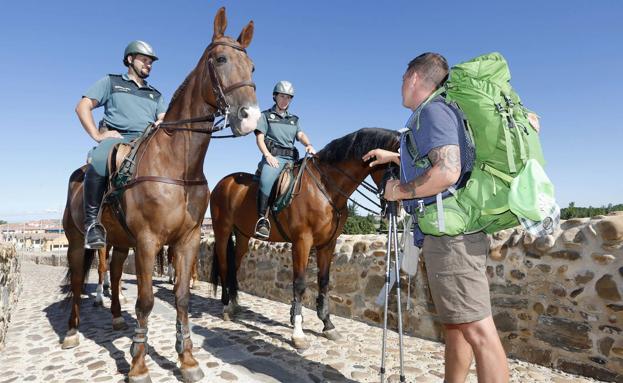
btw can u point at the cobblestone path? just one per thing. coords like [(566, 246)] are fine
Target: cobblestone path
[(253, 348)]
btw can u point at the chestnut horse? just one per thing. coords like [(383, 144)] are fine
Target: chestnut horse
[(315, 217), (166, 201)]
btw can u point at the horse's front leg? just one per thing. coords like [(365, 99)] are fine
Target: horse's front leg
[(145, 257), (300, 256), (186, 253), (323, 258)]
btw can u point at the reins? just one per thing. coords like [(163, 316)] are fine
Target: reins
[(222, 108)]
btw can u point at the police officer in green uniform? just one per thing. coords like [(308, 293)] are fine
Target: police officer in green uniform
[(275, 134), (130, 105)]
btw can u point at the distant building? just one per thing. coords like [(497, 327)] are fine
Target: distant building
[(41, 235), (206, 226)]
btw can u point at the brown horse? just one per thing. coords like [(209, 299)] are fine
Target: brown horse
[(165, 203), (315, 217)]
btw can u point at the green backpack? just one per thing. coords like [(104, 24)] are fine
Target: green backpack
[(504, 141)]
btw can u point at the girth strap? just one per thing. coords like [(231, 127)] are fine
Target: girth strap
[(166, 180)]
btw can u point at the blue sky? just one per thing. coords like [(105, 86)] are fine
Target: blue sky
[(345, 58)]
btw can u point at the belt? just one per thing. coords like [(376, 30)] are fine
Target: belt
[(276, 151)]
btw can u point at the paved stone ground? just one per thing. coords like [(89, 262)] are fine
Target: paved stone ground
[(254, 348)]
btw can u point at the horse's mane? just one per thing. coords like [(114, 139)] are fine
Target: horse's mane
[(354, 145), (180, 89)]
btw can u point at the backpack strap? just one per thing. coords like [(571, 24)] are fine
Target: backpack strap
[(513, 124)]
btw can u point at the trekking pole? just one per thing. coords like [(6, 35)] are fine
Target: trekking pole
[(387, 271), (391, 210), (393, 217)]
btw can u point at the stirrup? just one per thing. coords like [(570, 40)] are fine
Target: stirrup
[(96, 245), (259, 223)]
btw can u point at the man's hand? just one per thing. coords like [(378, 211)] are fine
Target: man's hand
[(391, 190), (310, 149), (107, 134), (272, 161), (381, 156)]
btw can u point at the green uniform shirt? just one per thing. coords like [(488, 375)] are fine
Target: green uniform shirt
[(282, 130), (127, 107)]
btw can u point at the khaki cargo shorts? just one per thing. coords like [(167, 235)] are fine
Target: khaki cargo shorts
[(456, 269)]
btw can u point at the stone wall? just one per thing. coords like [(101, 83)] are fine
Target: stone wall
[(556, 300), (10, 286)]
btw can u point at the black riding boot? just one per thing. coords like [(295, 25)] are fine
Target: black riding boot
[(262, 227), (94, 232)]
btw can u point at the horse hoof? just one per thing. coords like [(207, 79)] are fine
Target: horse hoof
[(227, 316), (119, 324), (333, 335), (190, 375), (140, 379), (301, 344), (97, 303), (71, 340)]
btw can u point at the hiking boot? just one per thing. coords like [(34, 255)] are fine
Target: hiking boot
[(262, 228), (94, 187)]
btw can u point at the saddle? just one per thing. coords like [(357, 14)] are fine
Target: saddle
[(283, 191), (122, 163)]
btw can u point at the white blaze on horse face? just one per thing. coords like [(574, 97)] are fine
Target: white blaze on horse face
[(247, 125)]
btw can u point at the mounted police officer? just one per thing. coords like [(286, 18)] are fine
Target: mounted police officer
[(275, 134), (130, 105)]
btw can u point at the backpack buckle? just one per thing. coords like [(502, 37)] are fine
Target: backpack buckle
[(420, 208)]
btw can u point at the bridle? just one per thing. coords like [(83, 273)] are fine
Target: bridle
[(222, 109), (221, 105)]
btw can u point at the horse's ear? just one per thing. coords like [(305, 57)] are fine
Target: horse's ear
[(220, 23), (246, 35)]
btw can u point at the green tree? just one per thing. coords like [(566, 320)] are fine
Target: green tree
[(573, 211), (2, 222)]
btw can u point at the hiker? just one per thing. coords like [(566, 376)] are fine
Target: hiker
[(130, 106), (276, 131), (455, 264)]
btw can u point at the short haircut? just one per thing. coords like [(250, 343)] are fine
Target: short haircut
[(432, 67)]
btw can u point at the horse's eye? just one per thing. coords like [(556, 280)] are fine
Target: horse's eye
[(253, 69), (221, 59)]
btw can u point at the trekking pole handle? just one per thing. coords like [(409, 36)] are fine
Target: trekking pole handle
[(391, 207)]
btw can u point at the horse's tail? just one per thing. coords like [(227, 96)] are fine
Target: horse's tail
[(89, 255), (232, 282), (232, 278), (160, 261), (214, 273)]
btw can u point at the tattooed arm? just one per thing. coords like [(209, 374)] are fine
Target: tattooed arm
[(444, 172)]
